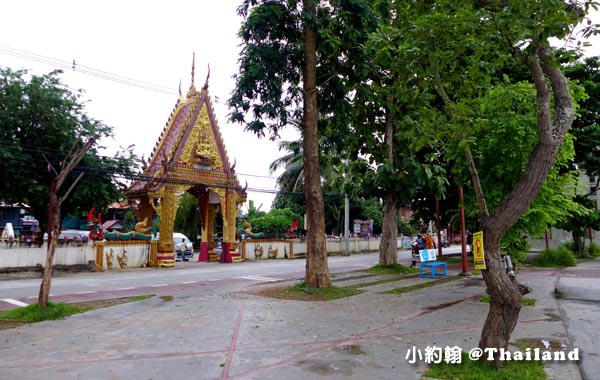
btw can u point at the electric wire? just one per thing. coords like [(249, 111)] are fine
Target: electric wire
[(141, 177)]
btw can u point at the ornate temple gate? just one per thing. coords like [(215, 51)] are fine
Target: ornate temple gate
[(190, 156)]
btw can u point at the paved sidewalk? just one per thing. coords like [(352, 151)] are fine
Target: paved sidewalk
[(243, 336)]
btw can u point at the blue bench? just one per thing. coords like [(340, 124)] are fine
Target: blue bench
[(429, 260)]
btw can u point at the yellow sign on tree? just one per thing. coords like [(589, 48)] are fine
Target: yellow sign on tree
[(478, 253)]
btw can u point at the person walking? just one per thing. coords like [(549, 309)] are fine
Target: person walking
[(428, 241)]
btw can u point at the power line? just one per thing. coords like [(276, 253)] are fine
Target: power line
[(73, 65), (83, 69)]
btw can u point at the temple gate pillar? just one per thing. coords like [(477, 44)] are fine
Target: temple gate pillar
[(166, 207), (203, 208)]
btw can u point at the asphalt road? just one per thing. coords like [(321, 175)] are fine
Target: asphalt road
[(189, 276), (192, 276)]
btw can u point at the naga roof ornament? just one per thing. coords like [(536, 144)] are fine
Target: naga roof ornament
[(190, 149)]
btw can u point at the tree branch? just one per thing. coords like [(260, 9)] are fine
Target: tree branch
[(476, 182), (543, 97), (74, 161), (66, 194)]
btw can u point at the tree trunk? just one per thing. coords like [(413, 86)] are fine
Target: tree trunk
[(317, 271), (388, 247), (389, 237), (505, 300), (53, 232), (67, 166)]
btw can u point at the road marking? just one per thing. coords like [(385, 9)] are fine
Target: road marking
[(189, 282), (15, 302), (259, 278), (130, 288), (159, 285), (88, 292)]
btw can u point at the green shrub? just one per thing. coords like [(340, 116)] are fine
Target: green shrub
[(555, 257), (516, 247), (594, 250)]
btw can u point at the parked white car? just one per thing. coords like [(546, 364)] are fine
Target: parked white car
[(182, 244), (180, 239)]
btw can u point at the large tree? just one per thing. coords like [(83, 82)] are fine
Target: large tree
[(586, 128), (280, 42), (41, 121), (49, 154), (457, 49)]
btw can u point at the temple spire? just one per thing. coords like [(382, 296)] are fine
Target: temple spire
[(193, 67), (192, 91)]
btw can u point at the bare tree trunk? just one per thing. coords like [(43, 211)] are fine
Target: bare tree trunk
[(505, 300), (67, 166), (317, 270), (53, 229), (388, 247)]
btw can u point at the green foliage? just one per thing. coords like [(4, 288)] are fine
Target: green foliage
[(42, 121), (508, 120), (579, 221), (526, 301), (268, 84), (594, 250), (481, 369), (274, 222), (586, 127), (515, 246), (391, 269), (420, 285), (555, 257), (187, 219), (405, 229), (293, 201), (33, 313), (326, 294), (579, 251)]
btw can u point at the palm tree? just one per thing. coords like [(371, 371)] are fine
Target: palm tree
[(292, 178)]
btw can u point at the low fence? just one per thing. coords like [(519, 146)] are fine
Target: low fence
[(112, 255)]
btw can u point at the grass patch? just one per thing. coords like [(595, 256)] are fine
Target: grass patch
[(392, 269), (303, 292), (142, 297), (379, 282), (33, 313), (421, 285), (451, 260), (526, 301), (482, 369)]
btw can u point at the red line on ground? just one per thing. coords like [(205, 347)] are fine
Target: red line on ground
[(344, 340), (236, 331), (126, 358)]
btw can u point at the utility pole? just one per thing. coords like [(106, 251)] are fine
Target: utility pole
[(346, 226)]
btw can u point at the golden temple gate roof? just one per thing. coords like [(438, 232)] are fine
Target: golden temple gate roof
[(190, 150)]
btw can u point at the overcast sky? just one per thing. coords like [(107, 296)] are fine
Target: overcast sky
[(151, 41)]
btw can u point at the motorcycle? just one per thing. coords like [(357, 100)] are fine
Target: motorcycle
[(416, 247)]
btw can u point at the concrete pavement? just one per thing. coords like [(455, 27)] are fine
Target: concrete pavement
[(244, 336)]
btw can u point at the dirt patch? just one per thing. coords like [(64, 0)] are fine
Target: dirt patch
[(283, 293), (5, 325)]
